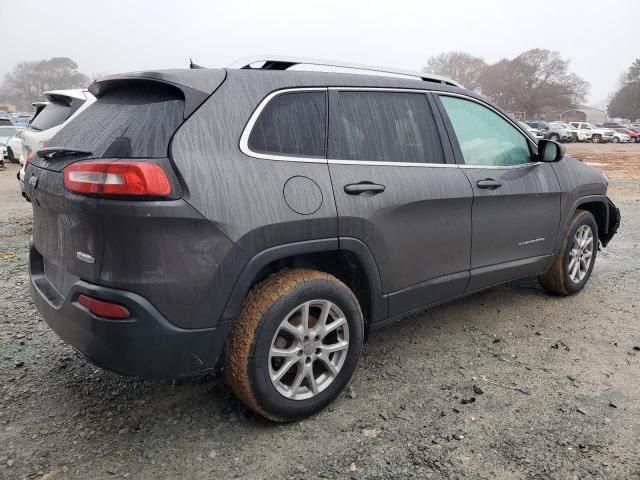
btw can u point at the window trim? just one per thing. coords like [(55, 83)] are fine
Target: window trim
[(244, 138), (246, 133), (432, 109), (533, 146)]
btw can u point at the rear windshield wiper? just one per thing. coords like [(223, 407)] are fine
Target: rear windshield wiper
[(51, 152)]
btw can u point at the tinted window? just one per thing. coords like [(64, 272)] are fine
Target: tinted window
[(292, 124), (135, 121), (384, 126), (485, 137), (52, 115)]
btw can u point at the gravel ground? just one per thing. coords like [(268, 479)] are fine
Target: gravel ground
[(508, 383)]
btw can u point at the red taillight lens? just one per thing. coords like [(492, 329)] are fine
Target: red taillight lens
[(117, 178), (104, 309)]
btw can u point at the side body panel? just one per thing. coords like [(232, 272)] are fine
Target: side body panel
[(580, 183), (418, 229), (241, 195), (513, 223)]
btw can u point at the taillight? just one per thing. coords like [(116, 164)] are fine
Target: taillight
[(104, 309), (108, 177)]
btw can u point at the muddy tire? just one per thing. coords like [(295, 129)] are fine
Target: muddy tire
[(295, 344), (572, 268)]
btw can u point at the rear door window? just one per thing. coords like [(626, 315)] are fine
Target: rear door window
[(485, 138), (292, 124), (385, 127)]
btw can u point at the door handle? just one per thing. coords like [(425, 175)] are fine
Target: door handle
[(489, 183), (366, 189)]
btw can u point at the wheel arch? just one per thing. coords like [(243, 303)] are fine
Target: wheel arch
[(348, 259), (600, 207)]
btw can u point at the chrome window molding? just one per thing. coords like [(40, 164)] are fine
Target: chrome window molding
[(244, 138), (246, 133)]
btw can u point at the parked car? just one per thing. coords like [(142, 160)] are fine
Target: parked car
[(598, 135), (60, 108), (14, 148), (538, 134), (266, 220), (6, 134), (620, 137), (578, 136), (634, 135), (21, 120), (552, 131)]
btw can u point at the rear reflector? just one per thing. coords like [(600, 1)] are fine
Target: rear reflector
[(104, 309), (117, 178)]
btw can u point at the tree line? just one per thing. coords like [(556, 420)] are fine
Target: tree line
[(26, 82), (534, 82), (625, 102)]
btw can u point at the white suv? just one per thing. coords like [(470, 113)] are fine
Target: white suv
[(63, 106), (596, 134)]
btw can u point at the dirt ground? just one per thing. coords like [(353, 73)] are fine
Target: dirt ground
[(556, 381)]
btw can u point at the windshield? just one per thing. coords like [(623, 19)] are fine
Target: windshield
[(8, 131)]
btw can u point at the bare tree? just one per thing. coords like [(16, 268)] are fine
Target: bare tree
[(459, 66), (534, 81), (26, 82)]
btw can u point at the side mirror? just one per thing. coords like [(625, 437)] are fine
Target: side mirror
[(550, 151)]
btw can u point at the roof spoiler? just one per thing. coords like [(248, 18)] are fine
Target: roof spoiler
[(193, 85)]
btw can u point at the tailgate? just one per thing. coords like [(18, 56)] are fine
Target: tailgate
[(67, 233)]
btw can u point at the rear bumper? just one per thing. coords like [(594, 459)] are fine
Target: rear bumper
[(145, 345)]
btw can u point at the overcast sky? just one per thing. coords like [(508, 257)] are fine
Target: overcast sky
[(599, 37)]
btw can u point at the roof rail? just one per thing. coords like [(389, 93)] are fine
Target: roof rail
[(285, 62)]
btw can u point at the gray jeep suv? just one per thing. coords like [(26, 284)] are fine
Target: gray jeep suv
[(264, 220)]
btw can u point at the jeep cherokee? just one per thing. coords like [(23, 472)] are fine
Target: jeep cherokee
[(263, 219)]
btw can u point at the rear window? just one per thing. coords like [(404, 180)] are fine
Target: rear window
[(54, 114), (292, 124), (135, 122), (384, 127)]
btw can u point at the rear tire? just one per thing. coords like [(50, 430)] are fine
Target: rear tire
[(572, 269), (11, 156), (283, 367)]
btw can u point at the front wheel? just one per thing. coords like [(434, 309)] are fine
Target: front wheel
[(595, 139), (295, 344), (615, 140), (554, 137), (572, 268)]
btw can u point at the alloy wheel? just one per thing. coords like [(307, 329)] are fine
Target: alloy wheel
[(308, 349), (581, 254)]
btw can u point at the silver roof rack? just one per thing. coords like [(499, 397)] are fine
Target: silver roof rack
[(285, 62)]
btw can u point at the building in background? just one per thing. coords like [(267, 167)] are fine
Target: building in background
[(583, 113)]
